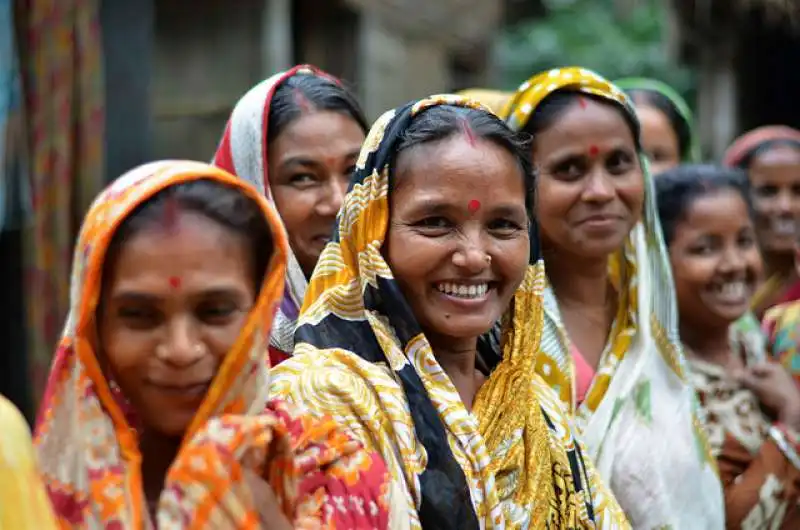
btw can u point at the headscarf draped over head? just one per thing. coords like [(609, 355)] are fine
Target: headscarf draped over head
[(243, 151), (87, 434), (639, 417), (493, 99), (691, 153), (742, 150), (362, 356)]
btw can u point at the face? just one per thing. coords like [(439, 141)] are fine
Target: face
[(458, 235), (310, 164), (715, 260), (174, 303), (659, 140), (775, 179), (590, 186)]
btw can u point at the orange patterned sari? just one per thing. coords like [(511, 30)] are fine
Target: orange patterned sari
[(89, 452)]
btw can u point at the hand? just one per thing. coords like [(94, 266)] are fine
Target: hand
[(775, 389), (272, 517)]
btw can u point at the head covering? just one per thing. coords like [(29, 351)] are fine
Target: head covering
[(742, 149), (87, 440), (25, 504), (493, 99), (243, 151), (691, 153), (362, 357), (639, 417)]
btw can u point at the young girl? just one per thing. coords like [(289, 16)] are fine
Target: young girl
[(751, 404)]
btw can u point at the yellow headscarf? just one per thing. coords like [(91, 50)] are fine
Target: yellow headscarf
[(495, 100)]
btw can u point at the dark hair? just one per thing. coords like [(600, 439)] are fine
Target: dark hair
[(679, 187), (444, 121), (319, 93), (221, 203), (678, 122), (553, 107), (769, 145)]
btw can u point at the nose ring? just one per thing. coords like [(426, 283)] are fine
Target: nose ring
[(198, 349), (488, 259)]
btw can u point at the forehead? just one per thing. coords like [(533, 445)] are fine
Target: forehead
[(194, 245), (456, 165), (322, 132), (776, 156), (717, 209), (590, 121)]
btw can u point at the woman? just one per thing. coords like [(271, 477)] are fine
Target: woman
[(667, 126), (771, 157), (432, 248), (24, 503), (706, 217), (610, 346), (494, 99), (156, 412), (296, 137), (782, 326)]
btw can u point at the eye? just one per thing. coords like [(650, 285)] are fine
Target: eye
[(505, 227), (571, 169), (350, 170), (767, 191), (747, 240), (619, 162), (303, 180), (796, 190), (434, 226), (216, 313), (139, 318)]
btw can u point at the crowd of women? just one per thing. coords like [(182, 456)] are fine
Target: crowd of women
[(529, 310)]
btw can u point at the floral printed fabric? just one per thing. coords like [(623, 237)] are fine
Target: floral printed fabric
[(89, 452), (782, 324), (639, 419), (511, 462)]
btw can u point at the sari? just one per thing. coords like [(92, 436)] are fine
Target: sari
[(87, 433), (639, 418), (782, 326), (691, 153), (493, 99), (511, 462), (24, 503), (780, 287), (243, 151)]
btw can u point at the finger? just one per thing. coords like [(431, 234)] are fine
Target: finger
[(762, 370)]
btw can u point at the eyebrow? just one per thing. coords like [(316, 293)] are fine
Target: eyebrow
[(306, 161), (437, 208), (140, 297)]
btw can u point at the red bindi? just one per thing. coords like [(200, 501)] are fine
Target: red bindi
[(474, 205), (582, 102), (174, 282), (594, 150)]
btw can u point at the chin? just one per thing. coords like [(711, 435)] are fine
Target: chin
[(463, 330)]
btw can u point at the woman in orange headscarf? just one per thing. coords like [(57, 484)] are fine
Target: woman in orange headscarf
[(156, 412)]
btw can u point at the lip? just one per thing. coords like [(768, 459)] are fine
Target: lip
[(600, 220), (190, 389), (465, 304)]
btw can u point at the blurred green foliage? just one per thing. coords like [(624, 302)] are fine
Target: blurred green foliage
[(593, 34)]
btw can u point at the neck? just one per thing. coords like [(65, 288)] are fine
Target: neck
[(457, 359), (710, 343), (158, 452), (578, 280), (779, 263)]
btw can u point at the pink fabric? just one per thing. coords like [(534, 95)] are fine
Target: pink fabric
[(584, 374)]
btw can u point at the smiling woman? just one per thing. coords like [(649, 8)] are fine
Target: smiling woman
[(708, 225), (390, 337), (156, 411), (296, 137)]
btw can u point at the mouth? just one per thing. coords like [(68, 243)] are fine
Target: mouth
[(784, 227), (465, 291), (190, 390), (731, 293), (600, 221)]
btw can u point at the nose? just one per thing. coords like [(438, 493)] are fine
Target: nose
[(472, 256), (784, 202), (182, 347), (732, 261), (599, 187), (335, 191)]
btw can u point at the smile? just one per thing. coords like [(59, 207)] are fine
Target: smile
[(784, 227), (473, 291), (731, 293)]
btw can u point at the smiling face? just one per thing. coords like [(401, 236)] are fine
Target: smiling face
[(458, 240), (590, 188), (775, 179), (715, 259), (173, 304), (310, 165), (659, 140)]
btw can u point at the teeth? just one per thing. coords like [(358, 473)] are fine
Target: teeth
[(784, 227), (462, 290), (733, 291)]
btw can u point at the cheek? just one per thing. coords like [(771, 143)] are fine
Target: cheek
[(553, 201), (631, 192), (295, 207), (124, 351)]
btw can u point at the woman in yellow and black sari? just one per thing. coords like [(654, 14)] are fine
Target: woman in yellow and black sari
[(436, 242)]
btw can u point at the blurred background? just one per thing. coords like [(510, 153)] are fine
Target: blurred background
[(91, 88)]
